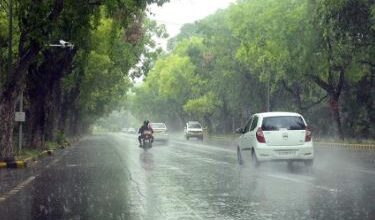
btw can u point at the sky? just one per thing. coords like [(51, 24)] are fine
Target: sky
[(176, 13)]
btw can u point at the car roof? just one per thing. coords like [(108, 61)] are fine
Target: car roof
[(271, 114)]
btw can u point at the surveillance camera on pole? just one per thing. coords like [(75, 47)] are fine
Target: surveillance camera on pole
[(66, 44), (62, 44)]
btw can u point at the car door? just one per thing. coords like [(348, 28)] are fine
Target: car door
[(243, 138), (250, 135)]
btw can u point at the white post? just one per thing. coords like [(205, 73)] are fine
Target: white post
[(20, 128)]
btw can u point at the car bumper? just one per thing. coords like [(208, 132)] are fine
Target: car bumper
[(194, 135), (285, 153)]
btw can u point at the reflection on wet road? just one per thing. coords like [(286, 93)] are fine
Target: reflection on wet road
[(109, 177)]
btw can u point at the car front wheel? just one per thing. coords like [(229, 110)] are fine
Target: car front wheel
[(239, 156)]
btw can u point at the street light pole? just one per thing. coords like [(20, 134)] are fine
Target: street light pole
[(10, 37), (268, 94), (20, 128)]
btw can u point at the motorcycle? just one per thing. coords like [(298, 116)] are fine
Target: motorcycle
[(147, 140)]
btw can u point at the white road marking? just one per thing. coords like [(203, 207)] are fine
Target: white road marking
[(16, 189), (286, 178)]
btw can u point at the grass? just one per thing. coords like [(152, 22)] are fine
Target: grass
[(52, 146), (33, 153), (27, 153)]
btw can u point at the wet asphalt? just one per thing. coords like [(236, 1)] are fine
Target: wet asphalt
[(107, 176)]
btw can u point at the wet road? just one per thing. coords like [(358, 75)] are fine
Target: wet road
[(108, 177)]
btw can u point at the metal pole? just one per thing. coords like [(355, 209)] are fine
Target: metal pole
[(20, 131), (10, 37), (268, 94)]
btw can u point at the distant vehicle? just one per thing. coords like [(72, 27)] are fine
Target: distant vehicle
[(124, 130), (131, 130), (276, 136), (160, 131), (193, 129)]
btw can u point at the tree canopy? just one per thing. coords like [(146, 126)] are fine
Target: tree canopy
[(311, 56), (67, 89)]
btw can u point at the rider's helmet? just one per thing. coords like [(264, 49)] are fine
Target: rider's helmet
[(146, 122)]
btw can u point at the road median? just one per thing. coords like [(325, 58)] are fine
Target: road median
[(27, 156), (229, 139)]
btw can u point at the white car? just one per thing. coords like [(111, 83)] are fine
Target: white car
[(193, 129), (276, 136), (160, 132)]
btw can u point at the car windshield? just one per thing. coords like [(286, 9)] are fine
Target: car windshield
[(194, 125), (157, 125), (283, 122)]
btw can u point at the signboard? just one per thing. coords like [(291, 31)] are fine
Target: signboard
[(20, 116)]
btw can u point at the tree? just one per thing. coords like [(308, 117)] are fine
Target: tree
[(43, 22)]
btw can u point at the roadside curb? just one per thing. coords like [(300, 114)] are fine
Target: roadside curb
[(39, 156), (24, 163), (351, 147), (13, 164)]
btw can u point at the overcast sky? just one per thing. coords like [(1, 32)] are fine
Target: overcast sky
[(178, 12)]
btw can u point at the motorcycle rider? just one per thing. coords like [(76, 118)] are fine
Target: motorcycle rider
[(145, 127)]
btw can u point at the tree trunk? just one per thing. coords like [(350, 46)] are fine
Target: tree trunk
[(208, 124), (7, 111), (36, 124), (333, 91), (12, 87), (334, 106), (52, 109), (63, 116), (28, 49)]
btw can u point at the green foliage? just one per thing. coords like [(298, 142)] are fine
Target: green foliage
[(202, 106), (74, 86), (219, 68)]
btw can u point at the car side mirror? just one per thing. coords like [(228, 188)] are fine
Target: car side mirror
[(239, 131)]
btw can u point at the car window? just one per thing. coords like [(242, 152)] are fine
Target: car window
[(254, 123), (283, 122), (247, 127), (194, 125)]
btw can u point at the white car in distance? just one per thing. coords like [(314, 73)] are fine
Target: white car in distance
[(276, 136), (160, 132), (193, 129)]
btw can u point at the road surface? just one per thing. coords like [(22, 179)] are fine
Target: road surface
[(106, 176)]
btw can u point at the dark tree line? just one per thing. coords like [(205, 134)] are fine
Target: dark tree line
[(66, 89)]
